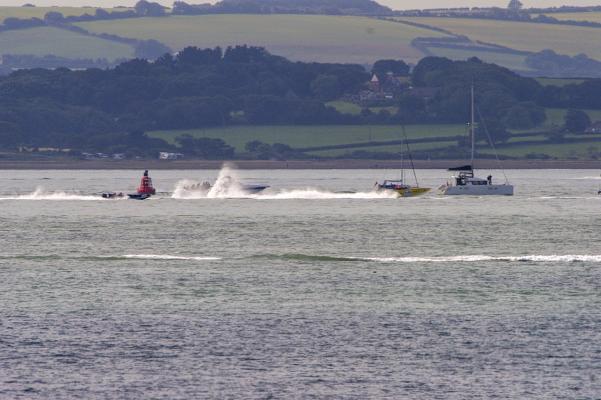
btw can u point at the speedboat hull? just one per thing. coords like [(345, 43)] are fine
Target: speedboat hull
[(409, 192), (402, 189), (253, 189), (138, 196), (477, 190)]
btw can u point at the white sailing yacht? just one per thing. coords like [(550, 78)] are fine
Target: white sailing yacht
[(464, 182)]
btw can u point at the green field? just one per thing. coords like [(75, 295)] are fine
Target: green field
[(383, 149), (511, 61), (578, 16), (44, 40), (315, 135), (298, 37), (555, 116), (559, 81), (557, 150), (353, 109), (526, 36), (39, 12)]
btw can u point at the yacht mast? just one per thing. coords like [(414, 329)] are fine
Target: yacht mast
[(473, 131)]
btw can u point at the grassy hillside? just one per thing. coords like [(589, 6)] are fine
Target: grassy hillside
[(44, 40), (39, 12), (557, 150), (578, 16), (563, 39), (321, 135), (298, 37), (559, 81)]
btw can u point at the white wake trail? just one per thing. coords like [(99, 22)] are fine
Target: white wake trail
[(41, 194), (228, 186)]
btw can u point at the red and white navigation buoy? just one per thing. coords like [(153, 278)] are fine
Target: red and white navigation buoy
[(146, 185), (145, 190)]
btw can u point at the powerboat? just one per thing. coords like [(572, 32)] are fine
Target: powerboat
[(225, 184), (253, 189), (111, 195), (464, 181), (145, 190), (399, 186)]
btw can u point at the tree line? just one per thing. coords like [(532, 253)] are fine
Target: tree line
[(110, 109)]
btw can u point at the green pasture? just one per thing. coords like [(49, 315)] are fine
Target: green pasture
[(314, 135), (556, 116), (555, 150), (319, 38), (526, 36), (578, 16), (384, 149), (59, 42), (559, 81), (346, 107), (511, 61)]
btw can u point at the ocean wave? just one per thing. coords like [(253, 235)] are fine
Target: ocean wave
[(169, 257), (447, 259)]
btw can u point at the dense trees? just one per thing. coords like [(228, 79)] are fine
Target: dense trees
[(576, 121), (396, 67), (111, 108), (194, 89)]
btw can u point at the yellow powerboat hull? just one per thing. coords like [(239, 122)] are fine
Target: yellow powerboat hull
[(412, 191)]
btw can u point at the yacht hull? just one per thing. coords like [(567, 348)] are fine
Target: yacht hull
[(477, 190)]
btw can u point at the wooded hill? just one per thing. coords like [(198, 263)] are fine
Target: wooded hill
[(109, 110)]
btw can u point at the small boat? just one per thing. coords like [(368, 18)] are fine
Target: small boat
[(138, 196), (145, 190), (464, 182), (226, 184), (401, 188), (111, 195), (253, 189), (398, 185)]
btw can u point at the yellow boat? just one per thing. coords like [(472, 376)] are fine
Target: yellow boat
[(399, 185), (401, 188)]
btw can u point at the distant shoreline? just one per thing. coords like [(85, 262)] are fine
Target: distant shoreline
[(293, 164)]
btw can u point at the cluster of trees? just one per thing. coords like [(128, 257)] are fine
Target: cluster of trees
[(108, 110), (504, 99), (197, 88), (328, 7), (557, 65)]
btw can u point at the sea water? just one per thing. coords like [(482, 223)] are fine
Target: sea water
[(316, 288)]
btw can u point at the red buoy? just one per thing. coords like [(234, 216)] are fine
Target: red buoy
[(146, 185)]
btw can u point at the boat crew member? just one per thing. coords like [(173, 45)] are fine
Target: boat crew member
[(489, 178)]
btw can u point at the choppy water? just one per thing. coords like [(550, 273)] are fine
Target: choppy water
[(305, 291)]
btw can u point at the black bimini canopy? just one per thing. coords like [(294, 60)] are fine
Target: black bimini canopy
[(462, 168)]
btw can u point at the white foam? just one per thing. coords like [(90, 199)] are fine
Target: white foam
[(41, 194), (168, 257), (228, 185), (319, 194), (478, 258)]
